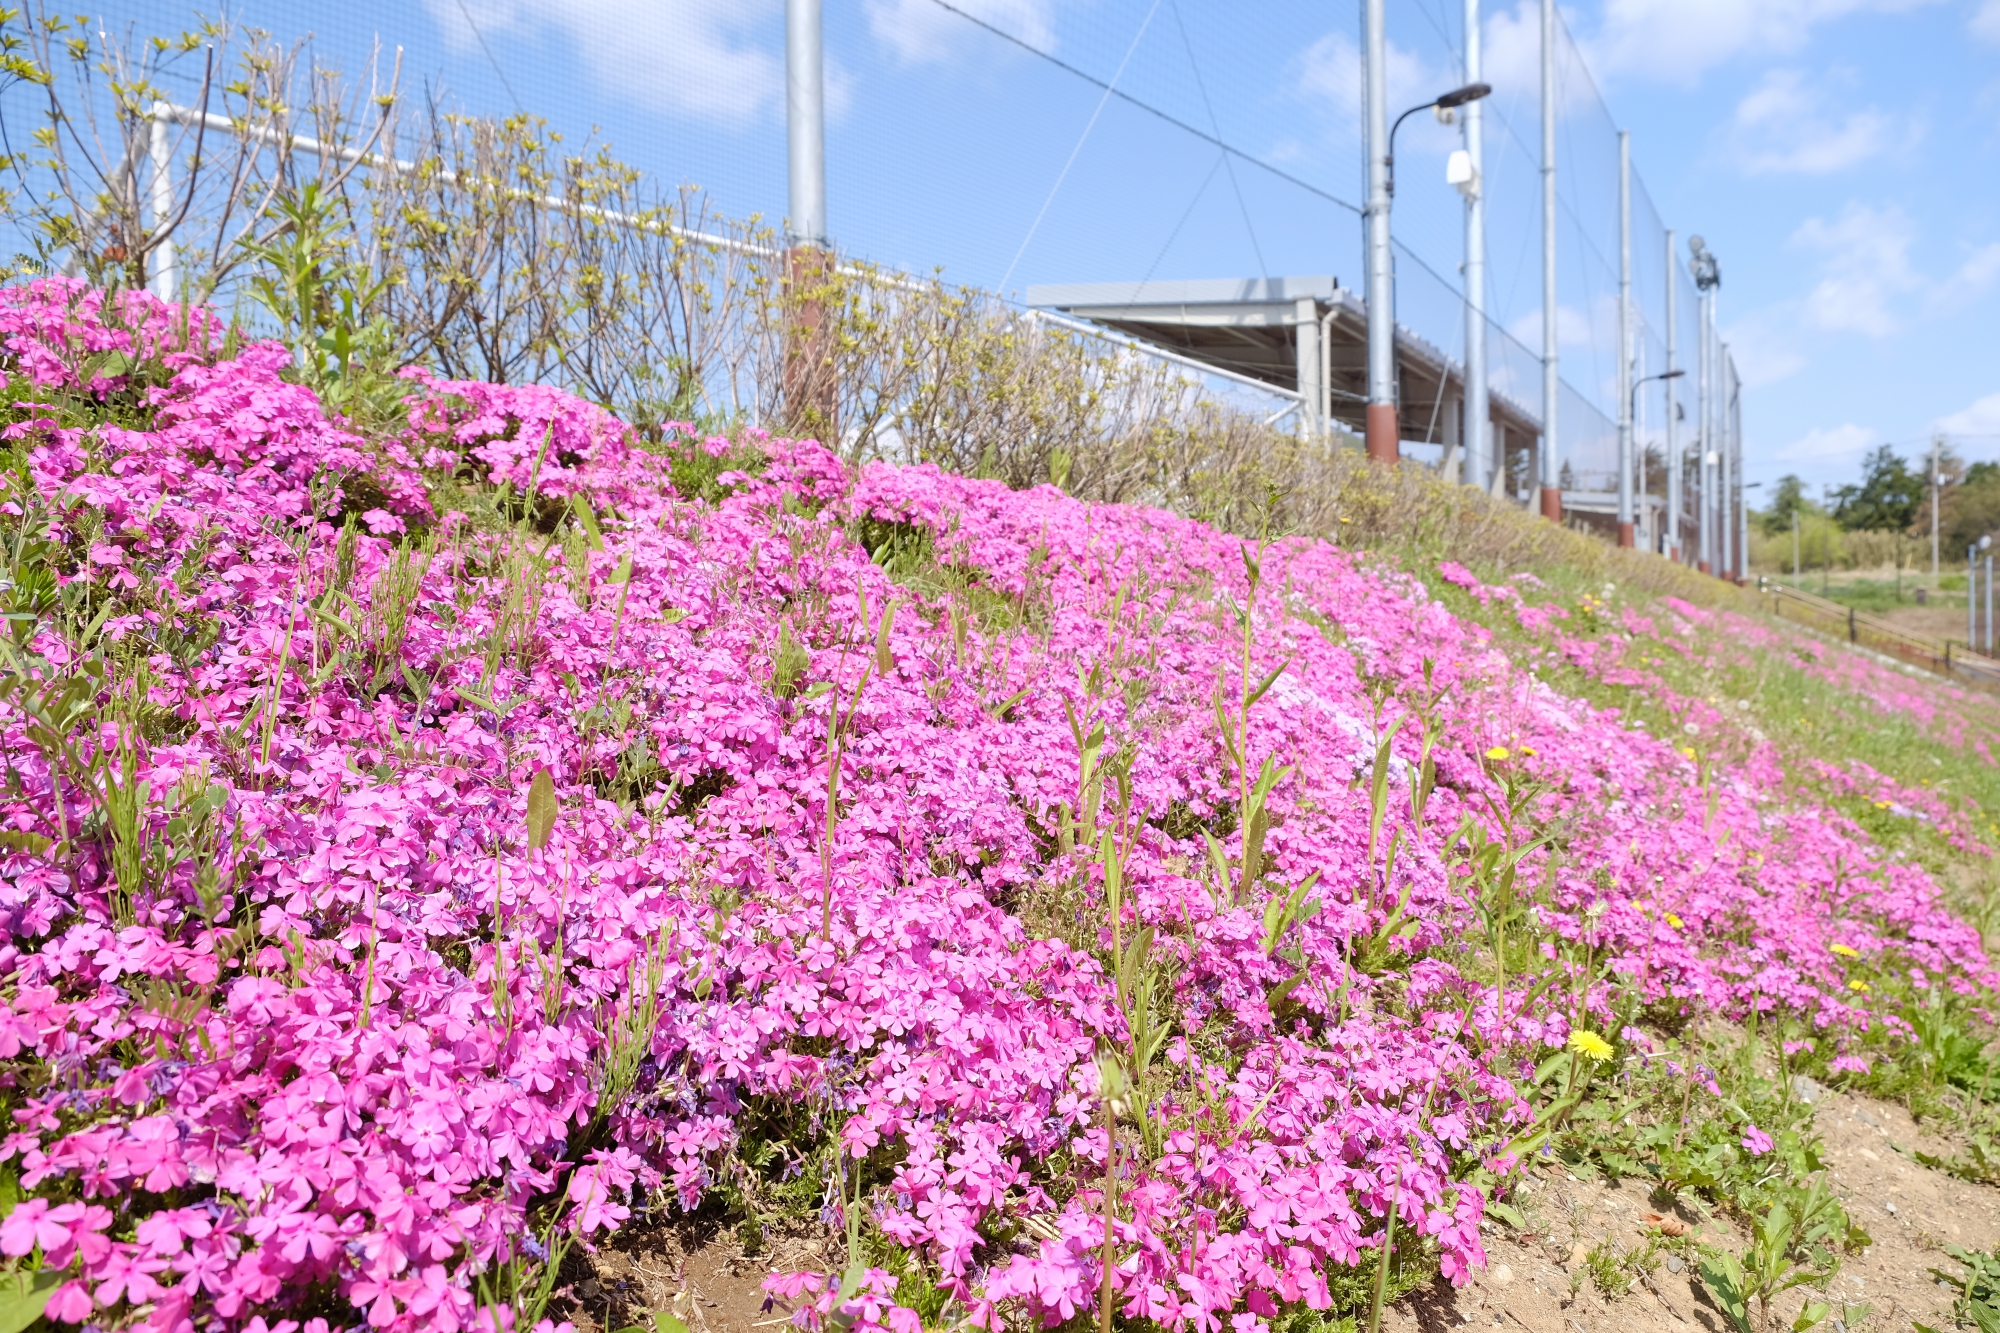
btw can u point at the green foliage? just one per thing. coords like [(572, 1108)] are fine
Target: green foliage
[(1887, 497), (23, 1294), (1977, 1301), (696, 474), (1792, 1244)]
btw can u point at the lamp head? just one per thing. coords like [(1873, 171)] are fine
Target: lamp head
[(1471, 92), (1672, 374)]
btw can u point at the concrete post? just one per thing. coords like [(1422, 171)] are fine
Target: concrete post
[(1307, 358), (1474, 430), (1384, 430), (1551, 385)]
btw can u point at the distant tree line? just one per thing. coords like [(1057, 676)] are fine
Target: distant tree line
[(1894, 497)]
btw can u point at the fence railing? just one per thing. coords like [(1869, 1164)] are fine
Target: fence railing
[(1946, 657)]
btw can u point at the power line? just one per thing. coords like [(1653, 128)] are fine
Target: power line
[(1147, 107), (480, 37)]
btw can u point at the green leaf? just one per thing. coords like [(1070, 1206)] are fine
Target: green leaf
[(1507, 1213), (669, 1323), (1813, 1312), (541, 810), (23, 1295), (1724, 1278)]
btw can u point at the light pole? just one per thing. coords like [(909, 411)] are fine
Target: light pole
[(1384, 432), (809, 399), (1552, 503), (1972, 594), (1626, 486), (1671, 548)]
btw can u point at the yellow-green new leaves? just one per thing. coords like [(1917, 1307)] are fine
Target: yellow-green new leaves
[(541, 810)]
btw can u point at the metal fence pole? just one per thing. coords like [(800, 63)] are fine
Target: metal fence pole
[(161, 149), (1382, 426), (1551, 385), (1672, 546), (1625, 422), (1474, 429)]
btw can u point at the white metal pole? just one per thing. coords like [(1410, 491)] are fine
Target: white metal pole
[(1725, 485), (805, 123), (1551, 387), (1383, 429), (161, 149), (1705, 500), (1671, 546), (1625, 423), (1474, 428)]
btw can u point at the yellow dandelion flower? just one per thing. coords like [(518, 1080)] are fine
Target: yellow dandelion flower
[(1859, 985), (1675, 921), (1688, 750), (1846, 950), (1590, 1044), (1527, 749), (1498, 754)]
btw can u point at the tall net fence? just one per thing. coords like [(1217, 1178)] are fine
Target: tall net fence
[(999, 143)]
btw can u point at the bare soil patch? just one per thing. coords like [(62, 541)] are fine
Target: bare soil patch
[(1535, 1280)]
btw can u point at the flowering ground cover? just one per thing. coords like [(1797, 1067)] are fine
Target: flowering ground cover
[(426, 848)]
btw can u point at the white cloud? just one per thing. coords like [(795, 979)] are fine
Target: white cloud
[(1838, 445), (1974, 277), (920, 32), (1328, 74), (1764, 347), (1574, 327), (1982, 418), (1784, 125), (721, 60), (1865, 269), (1676, 40), (1986, 23)]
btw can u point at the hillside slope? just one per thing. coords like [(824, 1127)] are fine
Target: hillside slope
[(427, 851)]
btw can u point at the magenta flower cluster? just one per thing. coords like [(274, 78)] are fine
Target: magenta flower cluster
[(358, 1062)]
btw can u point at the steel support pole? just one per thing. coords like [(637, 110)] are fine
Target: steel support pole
[(1705, 490), (1670, 546), (810, 394), (1384, 431), (1725, 484), (161, 276), (1625, 422), (1989, 606), (1474, 427), (1971, 601), (1551, 386)]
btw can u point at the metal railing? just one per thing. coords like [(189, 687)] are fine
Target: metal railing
[(1947, 657)]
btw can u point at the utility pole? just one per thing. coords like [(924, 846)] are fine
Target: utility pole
[(1474, 426), (1625, 423), (1671, 547), (1937, 496), (1383, 429), (1551, 388), (809, 392), (1736, 506), (1795, 541)]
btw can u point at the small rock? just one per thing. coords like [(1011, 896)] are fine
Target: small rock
[(1674, 1263), (1891, 1207), (1806, 1090), (1501, 1275), (1865, 1118), (1577, 1254), (590, 1289), (1871, 1156)]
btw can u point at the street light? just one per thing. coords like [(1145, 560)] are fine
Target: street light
[(1625, 527), (1457, 97), (1384, 430)]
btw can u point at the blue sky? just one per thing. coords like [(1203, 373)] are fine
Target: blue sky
[(1839, 156)]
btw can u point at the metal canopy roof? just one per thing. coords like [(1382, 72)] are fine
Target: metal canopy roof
[(1249, 326)]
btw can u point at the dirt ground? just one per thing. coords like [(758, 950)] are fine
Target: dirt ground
[(1535, 1280)]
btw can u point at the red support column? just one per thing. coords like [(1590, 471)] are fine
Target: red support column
[(1384, 434), (1552, 504)]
